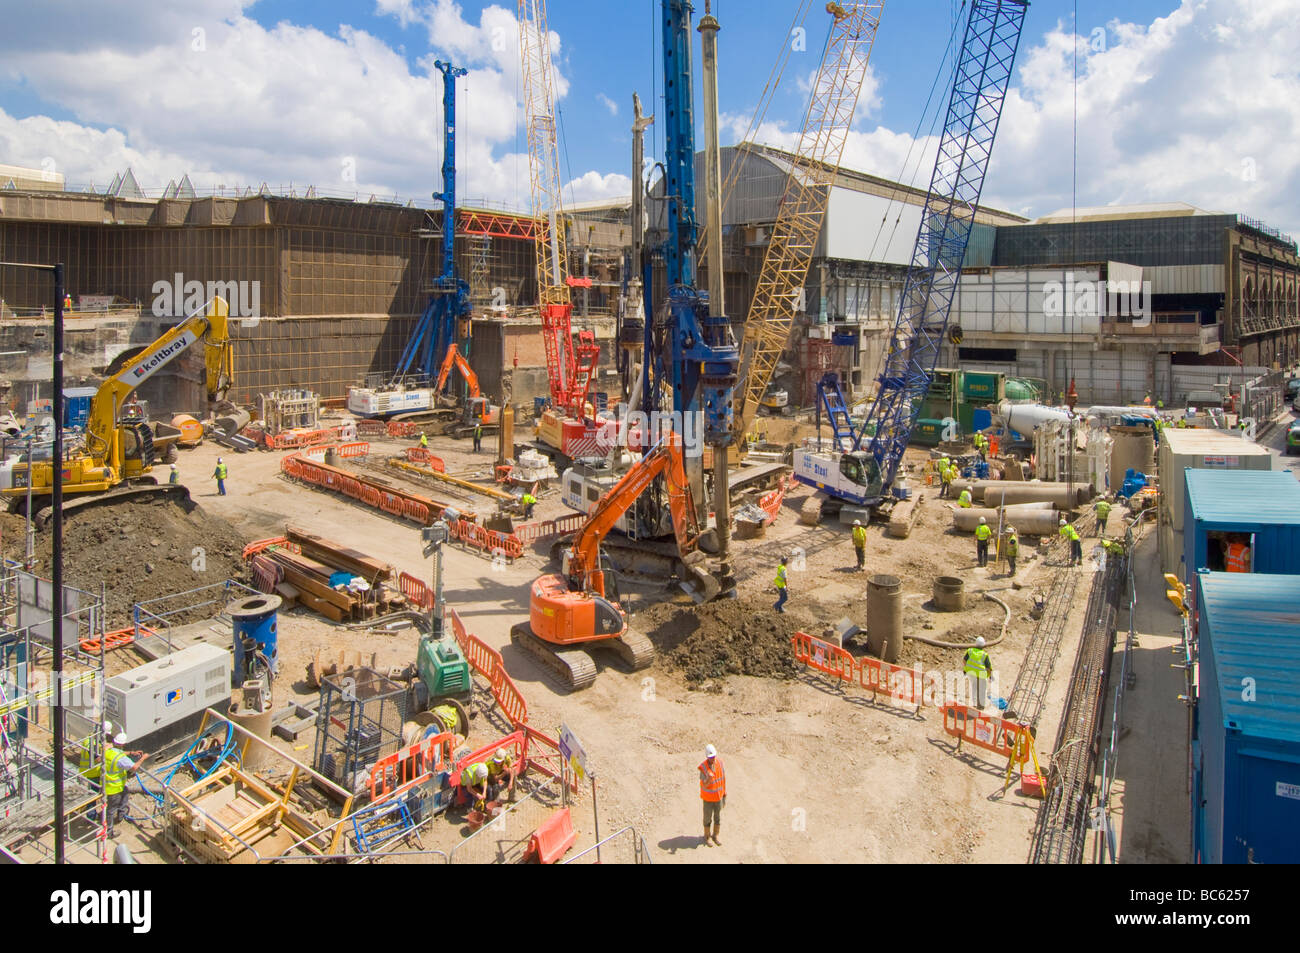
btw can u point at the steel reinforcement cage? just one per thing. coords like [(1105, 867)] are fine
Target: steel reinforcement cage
[(358, 721)]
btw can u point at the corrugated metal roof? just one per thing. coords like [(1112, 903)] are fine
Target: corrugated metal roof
[(1254, 633), (1269, 497), (1200, 441)]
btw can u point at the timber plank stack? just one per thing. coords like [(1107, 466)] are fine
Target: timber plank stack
[(306, 578)]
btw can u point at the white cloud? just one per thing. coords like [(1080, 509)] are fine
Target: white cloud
[(593, 186), (239, 103), (607, 103)]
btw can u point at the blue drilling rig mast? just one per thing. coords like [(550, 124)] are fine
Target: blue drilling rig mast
[(980, 81), (688, 349), (449, 303)]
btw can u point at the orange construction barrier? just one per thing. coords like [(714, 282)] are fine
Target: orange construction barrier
[(991, 732), (415, 590), (553, 839), (118, 639), (903, 685), (409, 766)]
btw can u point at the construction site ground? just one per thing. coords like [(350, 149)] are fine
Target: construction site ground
[(816, 772)]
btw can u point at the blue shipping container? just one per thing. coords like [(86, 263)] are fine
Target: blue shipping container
[(76, 407), (1263, 504), (1246, 754)]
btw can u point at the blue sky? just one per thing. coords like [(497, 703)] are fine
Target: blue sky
[(1180, 100)]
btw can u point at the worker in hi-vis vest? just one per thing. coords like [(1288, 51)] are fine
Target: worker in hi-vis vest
[(978, 667), (782, 586)]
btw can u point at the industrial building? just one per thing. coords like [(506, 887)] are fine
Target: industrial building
[(1166, 300)]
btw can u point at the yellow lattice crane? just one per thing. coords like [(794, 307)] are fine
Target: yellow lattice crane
[(780, 288)]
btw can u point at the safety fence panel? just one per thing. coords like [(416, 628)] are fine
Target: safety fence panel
[(357, 448), (509, 698), (904, 686), (487, 662), (372, 428), (424, 457), (770, 502), (415, 590), (258, 545), (968, 725), (412, 765), (505, 839), (402, 428), (622, 847)]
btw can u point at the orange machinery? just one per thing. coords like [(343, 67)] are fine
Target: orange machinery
[(477, 410), (578, 608)]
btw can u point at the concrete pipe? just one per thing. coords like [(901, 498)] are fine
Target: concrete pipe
[(1031, 523), (976, 487), (885, 617), (258, 724), (966, 520), (233, 422), (1058, 494), (949, 593)]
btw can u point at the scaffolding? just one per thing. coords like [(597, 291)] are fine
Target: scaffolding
[(30, 700)]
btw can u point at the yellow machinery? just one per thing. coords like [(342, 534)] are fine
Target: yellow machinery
[(118, 450)]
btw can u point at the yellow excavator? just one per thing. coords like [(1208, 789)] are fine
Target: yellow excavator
[(115, 457)]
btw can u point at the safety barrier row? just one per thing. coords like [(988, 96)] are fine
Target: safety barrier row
[(403, 428), (487, 662), (490, 541), (531, 532), (409, 766), (296, 439), (415, 590), (903, 685), (424, 457), (372, 428)]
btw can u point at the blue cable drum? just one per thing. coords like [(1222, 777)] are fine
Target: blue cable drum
[(254, 617)]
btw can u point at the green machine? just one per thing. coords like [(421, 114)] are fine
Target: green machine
[(443, 675)]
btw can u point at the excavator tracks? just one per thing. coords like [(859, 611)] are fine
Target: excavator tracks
[(176, 491), (573, 669), (634, 650)]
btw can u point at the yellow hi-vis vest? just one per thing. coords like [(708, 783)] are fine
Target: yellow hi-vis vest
[(964, 499), (780, 577), (1013, 547), (221, 471), (860, 537), (114, 775), (976, 662), (982, 532)]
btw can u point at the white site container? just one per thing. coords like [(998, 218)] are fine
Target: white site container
[(1200, 449), (162, 692)]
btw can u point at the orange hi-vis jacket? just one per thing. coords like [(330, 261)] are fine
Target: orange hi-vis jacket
[(1237, 556), (713, 780)]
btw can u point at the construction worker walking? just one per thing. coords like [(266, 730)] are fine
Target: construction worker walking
[(1076, 545), (713, 793), (1102, 509), (983, 533), (978, 668), (529, 502), (478, 435), (964, 500), (782, 587), (424, 441), (174, 477), (219, 474), (860, 543), (1012, 550)]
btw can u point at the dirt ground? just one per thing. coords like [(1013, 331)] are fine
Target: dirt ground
[(816, 772)]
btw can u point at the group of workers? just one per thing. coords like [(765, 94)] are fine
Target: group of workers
[(488, 781), (1010, 546)]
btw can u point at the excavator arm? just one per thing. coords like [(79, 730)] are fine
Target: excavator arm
[(455, 359), (665, 458), (211, 328)]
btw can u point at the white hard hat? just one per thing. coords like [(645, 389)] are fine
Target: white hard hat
[(108, 727), (979, 640), (480, 771), (857, 522), (500, 755), (218, 459), (120, 738), (1011, 530), (1062, 522), (983, 520), (173, 466), (710, 751)]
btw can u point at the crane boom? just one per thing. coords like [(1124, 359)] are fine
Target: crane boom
[(779, 291), (979, 89), (570, 369)]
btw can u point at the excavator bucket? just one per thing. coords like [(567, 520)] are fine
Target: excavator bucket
[(697, 582)]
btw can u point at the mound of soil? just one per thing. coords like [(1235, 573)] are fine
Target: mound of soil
[(142, 550), (736, 637)]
